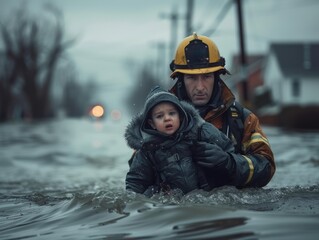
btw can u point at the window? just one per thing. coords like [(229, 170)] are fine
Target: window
[(296, 88)]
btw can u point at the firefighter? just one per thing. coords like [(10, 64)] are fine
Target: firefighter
[(197, 69)]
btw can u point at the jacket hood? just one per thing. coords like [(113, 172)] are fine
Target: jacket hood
[(158, 95), (136, 134)]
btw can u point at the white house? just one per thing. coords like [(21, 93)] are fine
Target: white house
[(291, 75)]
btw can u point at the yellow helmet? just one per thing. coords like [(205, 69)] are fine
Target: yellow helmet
[(197, 55)]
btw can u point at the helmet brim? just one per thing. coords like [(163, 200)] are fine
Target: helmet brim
[(195, 71)]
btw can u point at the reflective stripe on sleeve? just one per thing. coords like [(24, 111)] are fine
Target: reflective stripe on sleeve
[(255, 138), (251, 169)]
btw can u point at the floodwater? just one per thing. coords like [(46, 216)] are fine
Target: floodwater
[(65, 180)]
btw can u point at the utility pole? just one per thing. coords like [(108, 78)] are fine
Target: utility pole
[(243, 60), (189, 17), (173, 17), (160, 63)]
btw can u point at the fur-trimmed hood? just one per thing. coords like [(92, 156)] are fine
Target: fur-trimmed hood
[(136, 133)]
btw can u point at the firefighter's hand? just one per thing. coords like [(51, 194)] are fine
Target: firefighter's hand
[(210, 155)]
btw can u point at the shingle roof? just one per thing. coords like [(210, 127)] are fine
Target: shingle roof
[(297, 59)]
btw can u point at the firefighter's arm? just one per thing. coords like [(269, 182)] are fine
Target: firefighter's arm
[(256, 166)]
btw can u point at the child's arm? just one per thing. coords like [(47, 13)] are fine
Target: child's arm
[(140, 175)]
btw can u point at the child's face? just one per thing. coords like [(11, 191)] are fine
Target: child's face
[(165, 118)]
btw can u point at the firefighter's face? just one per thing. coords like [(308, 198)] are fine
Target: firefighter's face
[(199, 87)]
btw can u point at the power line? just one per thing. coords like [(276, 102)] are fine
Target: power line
[(280, 6), (206, 10), (219, 18)]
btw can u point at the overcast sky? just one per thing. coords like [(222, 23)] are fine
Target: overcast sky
[(111, 32)]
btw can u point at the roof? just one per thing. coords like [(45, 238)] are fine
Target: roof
[(297, 59), (252, 60)]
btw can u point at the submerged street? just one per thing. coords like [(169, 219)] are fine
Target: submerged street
[(65, 179)]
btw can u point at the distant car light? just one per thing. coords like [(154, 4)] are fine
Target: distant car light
[(116, 114), (97, 111)]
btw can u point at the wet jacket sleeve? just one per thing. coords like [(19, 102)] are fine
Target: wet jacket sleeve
[(209, 133), (255, 166), (140, 175)]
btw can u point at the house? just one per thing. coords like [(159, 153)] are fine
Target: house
[(251, 74), (290, 96)]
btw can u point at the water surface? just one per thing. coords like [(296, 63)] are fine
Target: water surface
[(65, 180)]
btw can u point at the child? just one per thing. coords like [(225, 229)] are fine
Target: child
[(162, 135)]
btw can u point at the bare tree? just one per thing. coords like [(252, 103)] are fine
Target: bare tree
[(77, 97), (33, 48), (8, 77), (145, 81)]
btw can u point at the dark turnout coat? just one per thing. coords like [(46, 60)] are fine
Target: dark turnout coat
[(167, 160), (255, 163)]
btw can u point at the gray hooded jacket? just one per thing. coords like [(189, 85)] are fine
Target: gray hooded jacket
[(162, 161)]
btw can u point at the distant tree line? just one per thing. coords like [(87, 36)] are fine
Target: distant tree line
[(145, 80), (38, 80), (32, 51)]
